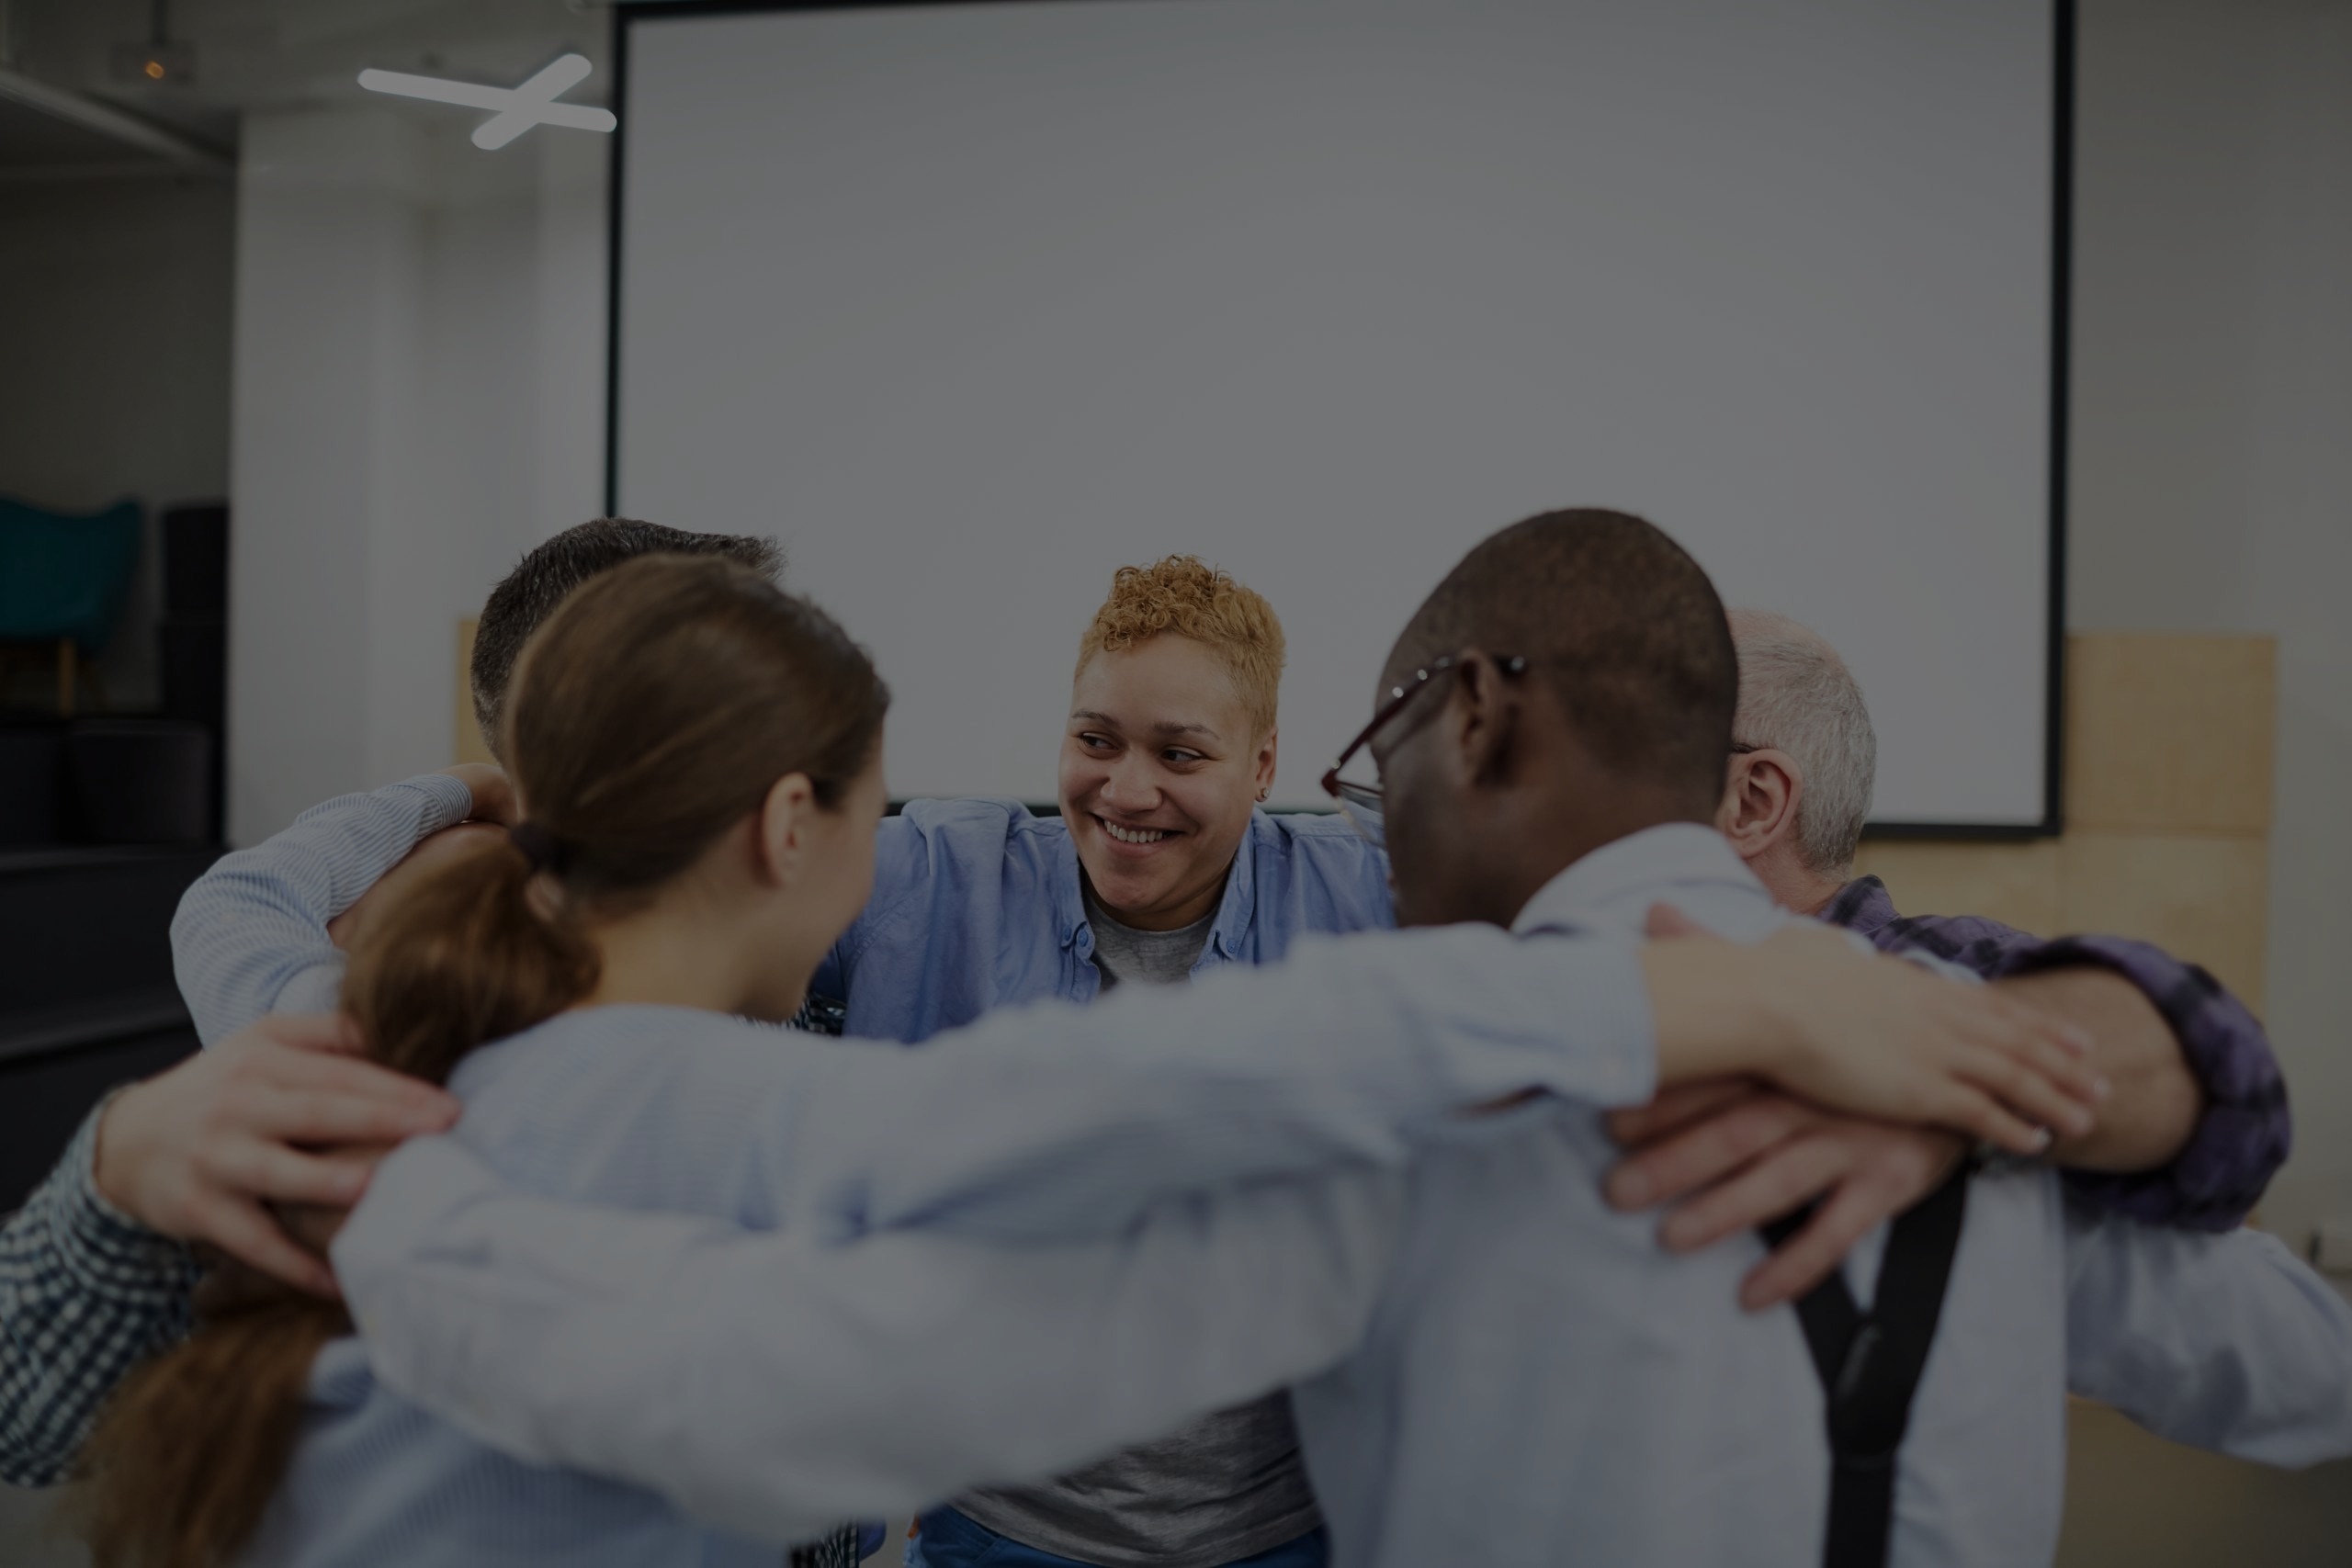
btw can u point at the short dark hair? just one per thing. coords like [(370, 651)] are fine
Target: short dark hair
[(523, 600), (1617, 621)]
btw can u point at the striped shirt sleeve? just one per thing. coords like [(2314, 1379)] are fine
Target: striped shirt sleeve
[(251, 935)]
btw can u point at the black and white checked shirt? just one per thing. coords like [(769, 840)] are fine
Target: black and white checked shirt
[(86, 1293)]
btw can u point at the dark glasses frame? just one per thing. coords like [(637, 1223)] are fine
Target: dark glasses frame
[(1356, 798)]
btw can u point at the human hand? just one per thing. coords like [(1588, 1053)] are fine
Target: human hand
[(1733, 1155), (493, 792), (1896, 1042), (1873, 1036), (199, 1152)]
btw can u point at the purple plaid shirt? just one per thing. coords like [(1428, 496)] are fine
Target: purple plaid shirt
[(2242, 1139)]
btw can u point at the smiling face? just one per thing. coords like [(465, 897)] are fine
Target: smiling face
[(1161, 767)]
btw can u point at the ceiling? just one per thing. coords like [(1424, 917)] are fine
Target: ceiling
[(254, 54)]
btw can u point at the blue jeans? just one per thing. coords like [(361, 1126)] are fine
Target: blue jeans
[(951, 1540)]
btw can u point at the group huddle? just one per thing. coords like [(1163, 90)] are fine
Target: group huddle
[(1265, 1189)]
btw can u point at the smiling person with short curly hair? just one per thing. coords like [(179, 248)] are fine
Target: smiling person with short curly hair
[(1160, 867)]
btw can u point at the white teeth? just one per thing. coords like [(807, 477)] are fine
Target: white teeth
[(1133, 835)]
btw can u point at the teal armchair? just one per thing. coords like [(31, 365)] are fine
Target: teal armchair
[(63, 577)]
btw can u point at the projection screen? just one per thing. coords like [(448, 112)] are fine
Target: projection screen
[(970, 304)]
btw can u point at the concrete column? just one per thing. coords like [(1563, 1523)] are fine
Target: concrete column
[(330, 261)]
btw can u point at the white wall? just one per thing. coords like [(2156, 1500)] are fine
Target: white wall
[(2212, 440), (419, 385), (419, 399), (114, 314)]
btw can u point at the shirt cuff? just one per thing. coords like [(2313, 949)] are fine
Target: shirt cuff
[(2245, 1132), (102, 1247), (448, 801)]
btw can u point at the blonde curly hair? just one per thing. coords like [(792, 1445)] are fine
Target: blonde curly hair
[(1185, 596)]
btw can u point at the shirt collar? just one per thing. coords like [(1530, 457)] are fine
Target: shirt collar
[(1862, 906), (1239, 907), (1592, 891), (1234, 912), (1069, 888)]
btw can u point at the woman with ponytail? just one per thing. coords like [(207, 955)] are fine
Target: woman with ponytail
[(697, 758), (700, 752)]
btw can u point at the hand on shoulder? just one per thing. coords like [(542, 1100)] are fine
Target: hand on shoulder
[(200, 1152)]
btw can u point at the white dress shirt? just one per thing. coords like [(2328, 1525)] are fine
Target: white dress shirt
[(1542, 1383)]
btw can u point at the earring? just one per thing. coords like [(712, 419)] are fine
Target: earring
[(1267, 791)]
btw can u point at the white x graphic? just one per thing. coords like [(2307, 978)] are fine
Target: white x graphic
[(519, 108)]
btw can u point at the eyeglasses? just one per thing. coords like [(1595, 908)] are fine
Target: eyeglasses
[(1361, 802)]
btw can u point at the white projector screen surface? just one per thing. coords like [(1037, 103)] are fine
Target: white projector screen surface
[(972, 305)]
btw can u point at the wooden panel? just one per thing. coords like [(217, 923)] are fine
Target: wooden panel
[(2016, 883), (468, 747), (2134, 1501), (2169, 732), (2205, 898)]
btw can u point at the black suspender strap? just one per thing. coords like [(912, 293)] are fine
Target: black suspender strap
[(1870, 1366)]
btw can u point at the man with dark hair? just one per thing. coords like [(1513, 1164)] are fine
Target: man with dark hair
[(526, 596), (431, 817), (1619, 627), (1516, 1375)]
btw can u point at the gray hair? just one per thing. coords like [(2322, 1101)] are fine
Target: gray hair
[(1796, 696)]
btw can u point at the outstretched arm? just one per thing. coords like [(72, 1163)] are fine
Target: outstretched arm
[(2224, 1342), (761, 1382), (2200, 1121), (1053, 1121), (96, 1271), (86, 1293), (252, 935), (2196, 1125)]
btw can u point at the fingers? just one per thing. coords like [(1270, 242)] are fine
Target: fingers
[(332, 1099), (250, 1171), (246, 1234), (331, 1033), (1891, 1170), (2026, 1091), (1706, 1151), (1677, 1107), (1807, 1259), (1971, 1110), (493, 792), (1785, 1179), (2058, 1047), (308, 1117)]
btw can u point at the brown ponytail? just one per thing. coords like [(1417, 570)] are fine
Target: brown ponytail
[(652, 712)]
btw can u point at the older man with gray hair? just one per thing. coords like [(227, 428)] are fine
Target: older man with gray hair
[(1805, 760), (1797, 792)]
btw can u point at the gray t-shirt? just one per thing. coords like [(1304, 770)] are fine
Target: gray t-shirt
[(1228, 1487), (1146, 958)]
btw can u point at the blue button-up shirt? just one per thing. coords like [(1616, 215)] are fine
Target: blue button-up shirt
[(978, 905)]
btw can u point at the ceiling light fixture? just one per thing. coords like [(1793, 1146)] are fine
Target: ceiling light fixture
[(519, 108)]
